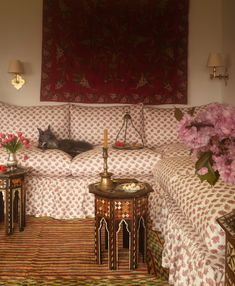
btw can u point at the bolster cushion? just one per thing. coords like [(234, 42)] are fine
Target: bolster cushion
[(120, 162), (52, 162)]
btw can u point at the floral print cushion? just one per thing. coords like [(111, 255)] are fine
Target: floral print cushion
[(28, 118), (172, 150), (201, 203), (88, 122), (174, 166), (54, 163), (160, 125), (120, 162)]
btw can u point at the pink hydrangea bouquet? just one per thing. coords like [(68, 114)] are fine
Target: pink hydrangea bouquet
[(13, 142), (211, 137)]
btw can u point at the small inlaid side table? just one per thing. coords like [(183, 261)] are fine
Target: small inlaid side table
[(114, 208), (12, 188), (227, 222)]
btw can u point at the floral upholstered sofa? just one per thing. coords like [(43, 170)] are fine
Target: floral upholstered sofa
[(57, 184), (182, 208)]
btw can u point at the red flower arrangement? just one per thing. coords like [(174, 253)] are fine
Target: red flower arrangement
[(12, 143)]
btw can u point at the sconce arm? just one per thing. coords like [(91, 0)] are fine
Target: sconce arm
[(224, 76)]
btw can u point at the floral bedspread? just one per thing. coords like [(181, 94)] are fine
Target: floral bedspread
[(185, 253), (201, 203)]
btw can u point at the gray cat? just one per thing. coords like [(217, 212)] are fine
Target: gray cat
[(47, 140)]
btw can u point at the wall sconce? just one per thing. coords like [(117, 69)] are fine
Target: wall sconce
[(215, 60), (16, 68)]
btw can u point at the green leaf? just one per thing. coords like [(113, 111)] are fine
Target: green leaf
[(178, 114), (211, 177), (191, 111), (203, 160)]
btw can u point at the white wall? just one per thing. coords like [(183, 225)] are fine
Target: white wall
[(22, 39), (205, 36), (229, 49)]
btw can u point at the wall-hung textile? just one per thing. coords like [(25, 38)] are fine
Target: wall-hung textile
[(115, 51)]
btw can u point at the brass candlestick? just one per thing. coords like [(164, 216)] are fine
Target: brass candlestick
[(106, 182)]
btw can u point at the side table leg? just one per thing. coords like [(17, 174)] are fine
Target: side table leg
[(133, 246), (23, 204), (21, 210), (112, 240), (97, 241), (8, 211), (134, 241)]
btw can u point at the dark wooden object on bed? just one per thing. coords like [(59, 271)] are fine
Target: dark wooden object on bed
[(115, 209), (227, 222)]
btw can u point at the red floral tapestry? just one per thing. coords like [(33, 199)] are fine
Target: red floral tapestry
[(115, 51)]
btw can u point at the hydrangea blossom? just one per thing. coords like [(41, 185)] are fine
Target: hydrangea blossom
[(211, 137)]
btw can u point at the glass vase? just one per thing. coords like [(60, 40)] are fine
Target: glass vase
[(11, 161)]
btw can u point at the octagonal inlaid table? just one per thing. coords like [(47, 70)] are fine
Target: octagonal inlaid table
[(12, 190), (117, 207)]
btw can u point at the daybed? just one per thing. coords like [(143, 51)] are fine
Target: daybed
[(56, 183), (194, 242)]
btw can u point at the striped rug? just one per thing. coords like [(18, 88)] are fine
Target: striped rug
[(61, 252)]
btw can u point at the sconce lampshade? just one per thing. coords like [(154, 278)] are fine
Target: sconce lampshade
[(215, 60), (15, 67)]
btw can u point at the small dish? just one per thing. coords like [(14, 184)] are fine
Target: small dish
[(131, 187)]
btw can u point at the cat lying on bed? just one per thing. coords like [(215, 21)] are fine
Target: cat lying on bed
[(47, 140)]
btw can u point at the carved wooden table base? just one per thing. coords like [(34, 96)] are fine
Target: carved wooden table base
[(116, 210), (12, 190)]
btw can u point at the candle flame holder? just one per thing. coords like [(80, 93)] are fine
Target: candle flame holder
[(106, 182)]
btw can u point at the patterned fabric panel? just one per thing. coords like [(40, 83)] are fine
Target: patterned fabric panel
[(27, 118), (66, 198), (60, 198), (185, 253), (201, 203), (172, 150), (48, 163), (174, 166), (156, 206), (160, 125), (88, 122), (120, 162)]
